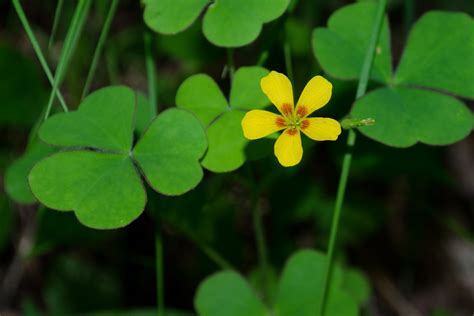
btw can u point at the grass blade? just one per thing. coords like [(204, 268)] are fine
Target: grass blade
[(73, 33), (57, 16), (34, 42), (100, 45)]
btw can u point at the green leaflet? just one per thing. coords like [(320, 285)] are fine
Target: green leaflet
[(103, 186), (226, 23), (439, 54), (340, 48), (300, 288), (405, 116), (201, 95), (439, 47)]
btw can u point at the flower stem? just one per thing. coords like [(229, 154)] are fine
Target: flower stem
[(160, 293), (57, 16), (100, 45), (212, 254), (346, 164)]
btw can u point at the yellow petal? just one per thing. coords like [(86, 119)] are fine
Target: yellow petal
[(321, 128), (278, 89), (288, 147), (258, 123), (315, 95)]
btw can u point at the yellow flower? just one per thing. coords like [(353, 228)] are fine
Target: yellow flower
[(258, 123)]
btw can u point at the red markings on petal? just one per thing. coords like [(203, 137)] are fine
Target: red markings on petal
[(305, 124), (280, 122), (286, 109), (302, 111), (292, 131)]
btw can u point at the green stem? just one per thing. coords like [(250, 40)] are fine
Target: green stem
[(72, 37), (57, 16), (100, 44), (160, 293), (230, 63), (151, 75), (346, 164), (34, 42), (261, 246)]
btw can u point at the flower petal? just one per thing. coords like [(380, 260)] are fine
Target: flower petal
[(278, 89), (315, 95), (288, 147), (321, 128), (258, 123)]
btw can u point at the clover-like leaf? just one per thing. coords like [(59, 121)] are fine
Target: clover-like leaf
[(227, 23), (169, 152), (244, 93), (201, 95), (357, 284), (104, 120), (226, 143), (16, 175), (340, 48), (234, 23), (439, 54), (227, 294), (172, 16), (102, 185), (300, 288), (439, 47), (406, 116), (104, 190)]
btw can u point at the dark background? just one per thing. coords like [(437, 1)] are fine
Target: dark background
[(408, 220)]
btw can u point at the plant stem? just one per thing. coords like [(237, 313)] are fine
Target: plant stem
[(72, 37), (261, 245), (57, 16), (151, 75), (160, 293), (346, 164), (230, 63), (34, 42), (100, 44)]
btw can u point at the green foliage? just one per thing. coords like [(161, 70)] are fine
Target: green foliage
[(300, 288), (102, 186), (438, 53), (405, 116), (356, 284), (340, 48), (169, 152), (226, 23), (202, 96), (439, 46), (227, 294), (16, 176), (299, 291)]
